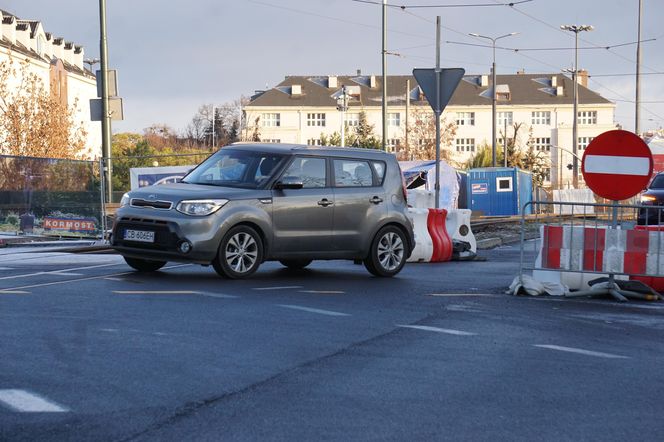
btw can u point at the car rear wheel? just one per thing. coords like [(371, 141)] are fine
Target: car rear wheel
[(388, 252), (240, 253), (295, 264), (144, 265)]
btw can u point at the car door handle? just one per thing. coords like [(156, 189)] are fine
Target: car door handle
[(376, 200), (325, 202)]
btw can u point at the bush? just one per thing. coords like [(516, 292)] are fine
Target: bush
[(12, 219)]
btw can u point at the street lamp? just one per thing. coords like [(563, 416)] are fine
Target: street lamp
[(575, 87), (493, 81), (342, 105), (91, 62)]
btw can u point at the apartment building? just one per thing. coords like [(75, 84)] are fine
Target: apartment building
[(301, 108), (57, 62)]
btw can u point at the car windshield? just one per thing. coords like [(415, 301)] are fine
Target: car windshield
[(236, 168), (658, 182)]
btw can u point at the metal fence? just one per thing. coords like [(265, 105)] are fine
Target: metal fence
[(46, 196)]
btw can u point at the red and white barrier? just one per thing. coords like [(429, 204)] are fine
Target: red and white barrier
[(590, 249), (458, 227), (432, 242)]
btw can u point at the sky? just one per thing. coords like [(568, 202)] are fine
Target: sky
[(173, 56)]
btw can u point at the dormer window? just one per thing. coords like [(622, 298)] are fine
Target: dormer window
[(41, 45)]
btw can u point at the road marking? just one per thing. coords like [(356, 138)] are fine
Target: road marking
[(115, 279), (285, 287), (438, 330), (324, 292), (218, 295), (13, 292), (6, 268), (582, 351), (156, 292), (26, 402), (63, 271), (313, 310), (461, 295), (89, 278)]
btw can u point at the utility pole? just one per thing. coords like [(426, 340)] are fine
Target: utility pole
[(637, 112), (575, 87), (106, 115), (437, 114), (407, 111), (384, 144)]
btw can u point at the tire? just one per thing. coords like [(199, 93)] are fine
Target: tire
[(295, 264), (144, 265), (240, 253), (388, 253)]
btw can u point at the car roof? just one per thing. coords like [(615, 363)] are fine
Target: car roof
[(288, 148)]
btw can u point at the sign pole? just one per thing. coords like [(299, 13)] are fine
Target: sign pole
[(437, 114)]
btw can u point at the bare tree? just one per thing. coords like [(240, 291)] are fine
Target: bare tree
[(421, 143)]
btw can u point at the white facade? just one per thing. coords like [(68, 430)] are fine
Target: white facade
[(550, 126), (26, 40)]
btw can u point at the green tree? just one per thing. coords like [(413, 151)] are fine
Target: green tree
[(364, 134)]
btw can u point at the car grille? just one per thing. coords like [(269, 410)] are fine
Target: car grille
[(161, 205)]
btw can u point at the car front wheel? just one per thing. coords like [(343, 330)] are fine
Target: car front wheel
[(240, 253), (388, 252), (144, 265)]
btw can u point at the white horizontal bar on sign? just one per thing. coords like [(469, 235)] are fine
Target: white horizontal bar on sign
[(617, 165)]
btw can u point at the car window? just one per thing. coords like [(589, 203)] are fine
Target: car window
[(235, 168), (352, 173), (311, 171), (379, 168), (658, 182)]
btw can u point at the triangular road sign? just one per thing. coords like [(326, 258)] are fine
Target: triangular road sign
[(447, 79)]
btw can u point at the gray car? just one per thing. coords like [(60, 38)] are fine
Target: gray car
[(250, 203)]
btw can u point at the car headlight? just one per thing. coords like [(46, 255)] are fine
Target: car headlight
[(125, 200), (200, 207), (648, 198)]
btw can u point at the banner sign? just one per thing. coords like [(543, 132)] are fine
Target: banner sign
[(70, 224), (479, 188), (148, 176)]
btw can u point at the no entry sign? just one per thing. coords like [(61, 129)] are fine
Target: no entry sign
[(617, 165)]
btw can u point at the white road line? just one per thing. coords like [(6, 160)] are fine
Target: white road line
[(313, 310), (218, 295), (438, 330), (323, 292), (285, 287), (461, 295), (13, 292), (90, 278), (115, 279), (26, 402), (63, 271), (582, 351), (156, 292), (6, 268), (64, 274)]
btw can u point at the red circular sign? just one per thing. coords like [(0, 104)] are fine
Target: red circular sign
[(617, 165)]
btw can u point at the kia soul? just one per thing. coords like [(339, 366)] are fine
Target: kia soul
[(250, 203)]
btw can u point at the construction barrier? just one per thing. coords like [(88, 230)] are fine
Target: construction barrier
[(432, 241), (576, 249)]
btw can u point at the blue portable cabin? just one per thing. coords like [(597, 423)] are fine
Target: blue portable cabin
[(499, 191)]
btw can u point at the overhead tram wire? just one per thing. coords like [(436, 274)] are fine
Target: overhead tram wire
[(463, 5)]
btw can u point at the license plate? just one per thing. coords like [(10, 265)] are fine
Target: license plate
[(139, 235)]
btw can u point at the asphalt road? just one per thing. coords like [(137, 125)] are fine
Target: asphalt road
[(90, 350)]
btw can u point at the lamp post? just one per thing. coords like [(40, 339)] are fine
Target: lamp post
[(342, 105), (493, 86), (575, 87)]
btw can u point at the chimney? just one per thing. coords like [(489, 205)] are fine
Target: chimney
[(582, 77), (559, 91), (296, 89), (554, 81), (332, 82), (484, 80), (372, 82), (68, 52), (359, 72), (521, 72), (9, 28), (57, 47), (78, 56)]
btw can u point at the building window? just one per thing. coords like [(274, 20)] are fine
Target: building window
[(314, 142), (273, 140), (465, 144), (546, 175), (394, 119), (423, 142), (271, 120), (587, 117), (317, 119), (504, 184), (542, 144), (583, 142), (502, 116), (352, 120), (465, 118), (393, 142), (541, 117)]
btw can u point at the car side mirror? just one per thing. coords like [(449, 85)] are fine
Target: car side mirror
[(289, 182)]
